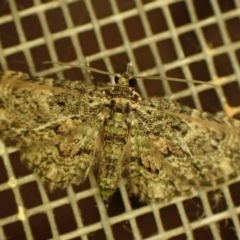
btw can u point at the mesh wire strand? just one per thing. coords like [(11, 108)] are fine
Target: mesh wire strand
[(63, 215)]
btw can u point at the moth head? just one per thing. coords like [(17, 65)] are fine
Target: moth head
[(122, 80), (126, 79)]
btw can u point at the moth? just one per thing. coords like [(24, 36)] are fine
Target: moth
[(64, 128)]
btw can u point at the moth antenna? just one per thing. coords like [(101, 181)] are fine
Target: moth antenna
[(175, 80), (140, 77), (84, 67)]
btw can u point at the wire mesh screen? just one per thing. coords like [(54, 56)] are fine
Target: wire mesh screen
[(188, 39)]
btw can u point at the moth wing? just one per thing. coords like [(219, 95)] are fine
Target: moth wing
[(176, 149), (64, 159), (30, 104)]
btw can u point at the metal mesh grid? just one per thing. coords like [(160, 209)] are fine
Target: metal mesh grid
[(188, 39)]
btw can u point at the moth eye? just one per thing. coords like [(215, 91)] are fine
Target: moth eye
[(116, 78), (132, 82)]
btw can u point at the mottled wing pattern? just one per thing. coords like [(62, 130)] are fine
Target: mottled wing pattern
[(65, 159), (63, 128), (176, 149), (56, 133)]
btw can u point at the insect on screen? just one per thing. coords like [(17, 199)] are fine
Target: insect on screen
[(187, 39)]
